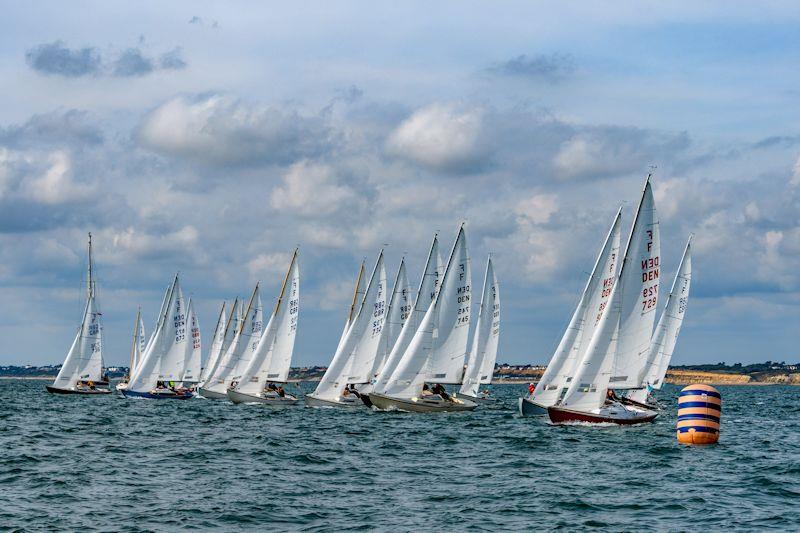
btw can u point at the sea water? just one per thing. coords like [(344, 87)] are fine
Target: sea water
[(111, 464)]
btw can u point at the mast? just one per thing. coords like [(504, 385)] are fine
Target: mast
[(285, 281), (90, 279), (355, 293)]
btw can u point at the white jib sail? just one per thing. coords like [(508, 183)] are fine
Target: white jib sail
[(358, 295), (164, 357), (241, 347), (84, 361), (594, 299), (361, 341), (137, 343), (142, 344), (273, 356), (483, 354), (668, 328), (640, 279), (428, 287), (193, 361), (159, 318), (437, 351), (587, 391), (398, 312), (216, 345)]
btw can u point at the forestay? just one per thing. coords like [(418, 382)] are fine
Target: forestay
[(483, 354), (355, 354), (438, 349), (273, 356), (428, 287), (594, 299)]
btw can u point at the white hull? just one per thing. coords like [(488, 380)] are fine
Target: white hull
[(212, 395), (350, 402), (432, 404), (277, 401), (528, 408), (122, 386), (480, 400)]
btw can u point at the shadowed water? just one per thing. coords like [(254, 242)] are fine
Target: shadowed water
[(106, 463)]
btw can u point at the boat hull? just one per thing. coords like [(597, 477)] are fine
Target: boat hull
[(387, 403), (559, 415), (212, 395), (239, 397), (87, 392), (313, 401), (634, 403), (151, 396), (480, 400), (529, 408)]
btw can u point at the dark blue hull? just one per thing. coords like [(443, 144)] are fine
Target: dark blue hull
[(149, 395)]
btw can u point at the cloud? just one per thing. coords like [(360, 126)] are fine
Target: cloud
[(552, 68), (795, 180), (131, 63), (56, 59), (319, 190), (442, 137), (220, 130)]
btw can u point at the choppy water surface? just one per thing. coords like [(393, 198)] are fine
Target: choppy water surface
[(106, 463)]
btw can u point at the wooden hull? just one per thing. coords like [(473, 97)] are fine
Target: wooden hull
[(529, 408), (238, 397), (387, 403), (559, 415), (83, 392)]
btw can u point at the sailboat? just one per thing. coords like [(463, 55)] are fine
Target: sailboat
[(162, 365), (483, 354), (666, 335), (216, 345), (356, 352), (397, 312), (138, 346), (428, 287), (559, 372), (193, 362), (239, 352), (437, 351), (82, 371), (619, 345), (262, 381)]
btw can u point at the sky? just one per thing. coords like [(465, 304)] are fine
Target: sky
[(212, 138)]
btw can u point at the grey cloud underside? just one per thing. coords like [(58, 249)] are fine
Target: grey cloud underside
[(58, 60), (549, 68)]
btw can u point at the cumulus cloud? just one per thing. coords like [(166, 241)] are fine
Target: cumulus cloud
[(220, 130), (442, 137), (549, 68), (57, 59)]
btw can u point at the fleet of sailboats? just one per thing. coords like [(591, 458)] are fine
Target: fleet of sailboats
[(399, 350)]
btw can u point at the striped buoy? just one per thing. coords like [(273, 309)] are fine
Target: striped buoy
[(699, 409)]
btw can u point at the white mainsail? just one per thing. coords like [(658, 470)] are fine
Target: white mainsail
[(273, 357), (216, 345), (594, 299), (667, 330), (397, 313), (622, 324), (241, 348), (165, 356), (428, 287), (482, 356), (355, 354), (193, 361), (84, 361), (436, 353)]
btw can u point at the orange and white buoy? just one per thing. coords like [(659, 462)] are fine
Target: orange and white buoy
[(699, 410)]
